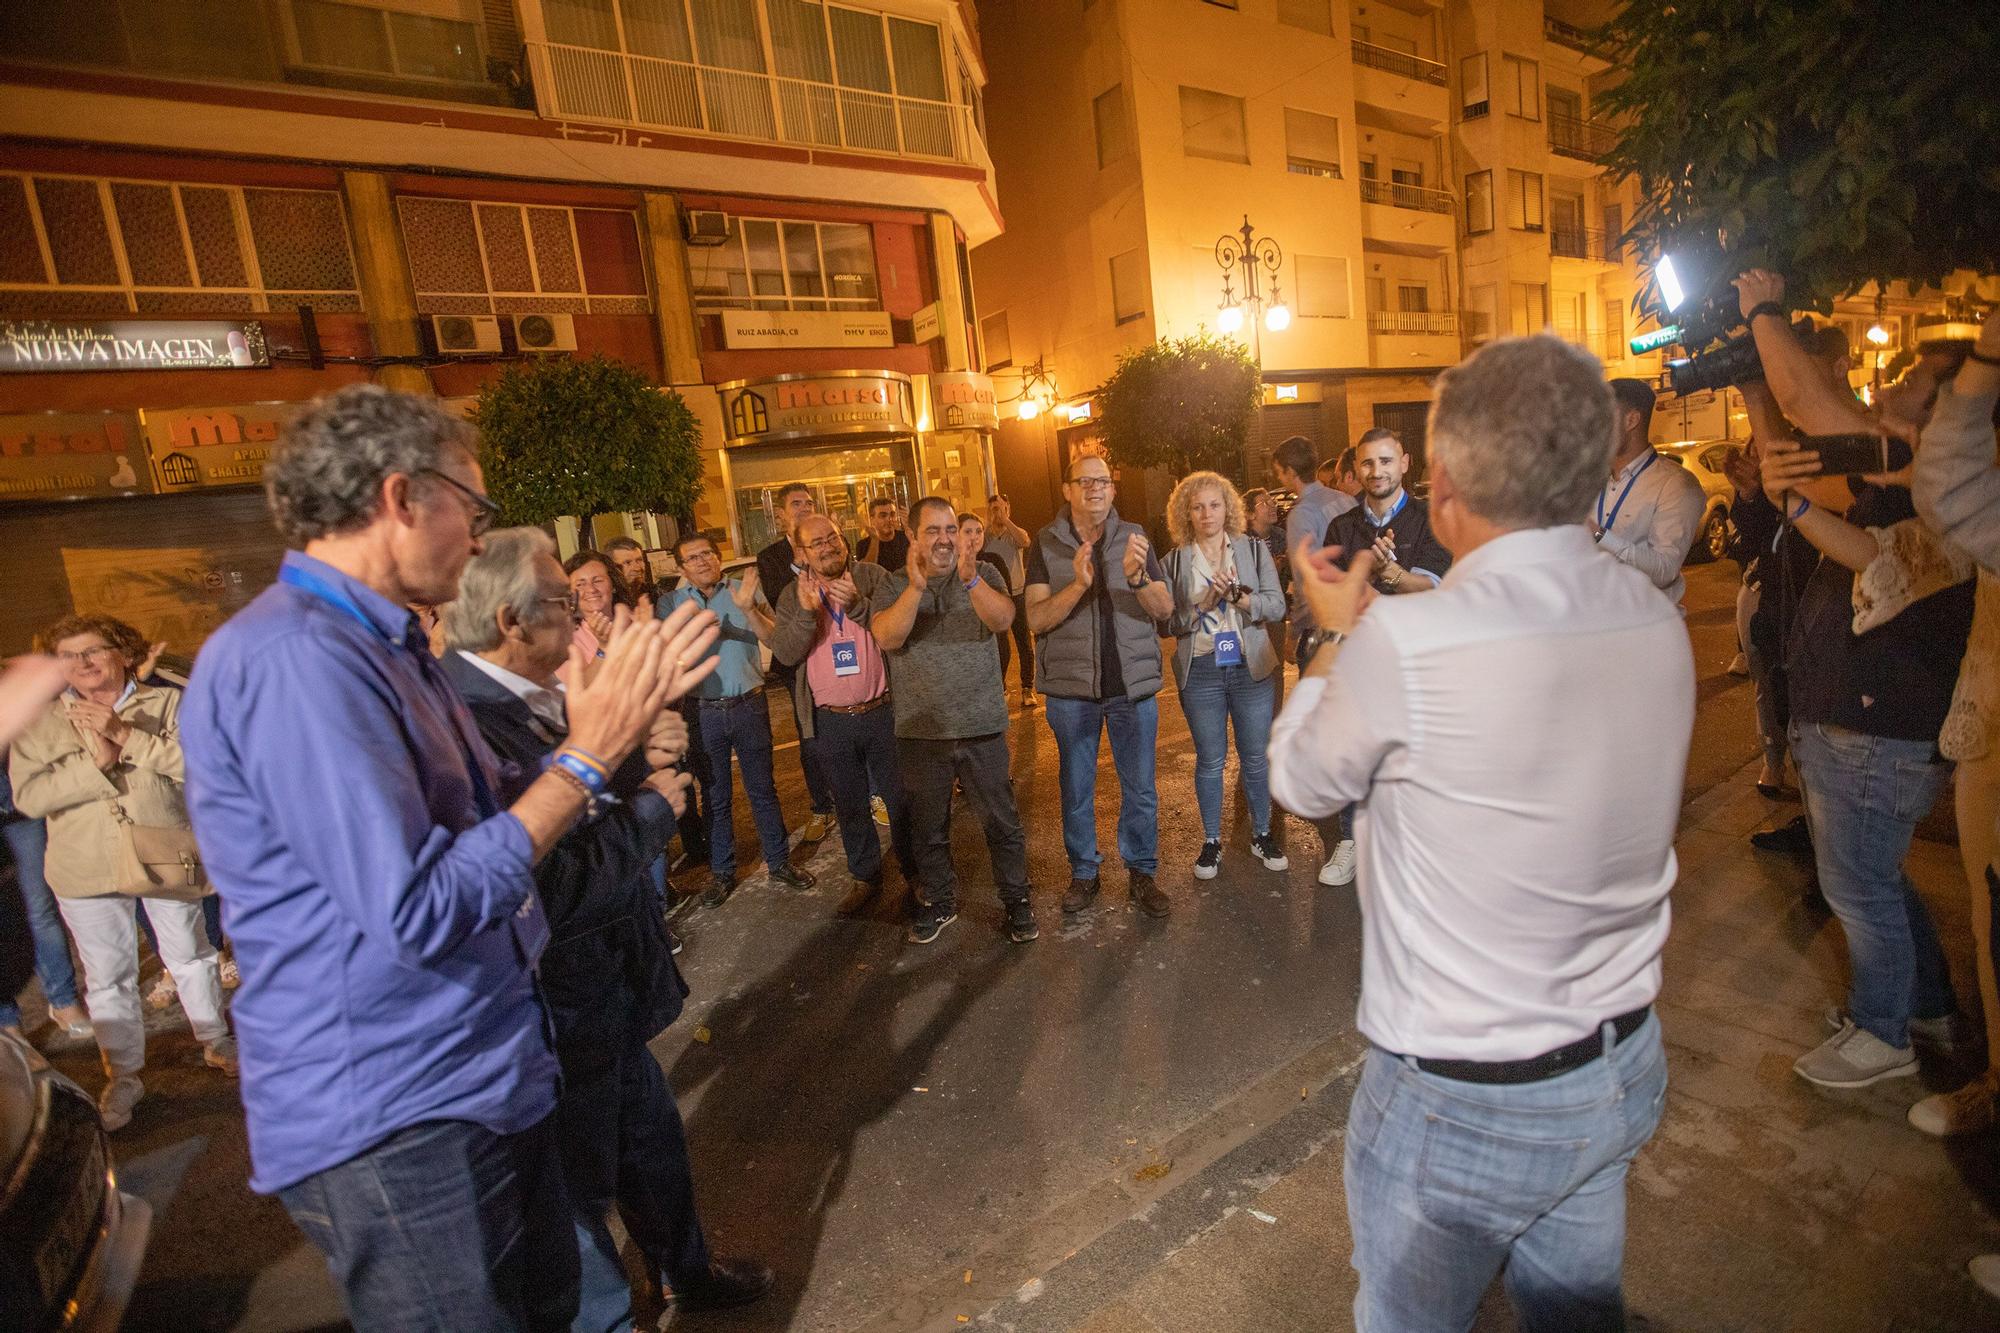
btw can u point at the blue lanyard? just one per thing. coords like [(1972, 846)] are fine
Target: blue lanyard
[(839, 616), (1378, 526), (1607, 523)]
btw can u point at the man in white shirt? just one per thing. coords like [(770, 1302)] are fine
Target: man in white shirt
[(1647, 514), (1514, 859)]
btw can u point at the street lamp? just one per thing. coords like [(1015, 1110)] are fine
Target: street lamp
[(1243, 253), (1038, 390)]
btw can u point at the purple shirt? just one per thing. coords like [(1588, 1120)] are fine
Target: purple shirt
[(381, 906)]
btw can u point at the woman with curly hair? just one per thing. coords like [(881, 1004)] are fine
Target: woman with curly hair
[(103, 766), (1225, 590), (596, 591)]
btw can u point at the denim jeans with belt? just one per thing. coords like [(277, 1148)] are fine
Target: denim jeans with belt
[(1449, 1182), (1864, 797), (1213, 699), (741, 726), (1134, 725), (28, 840)]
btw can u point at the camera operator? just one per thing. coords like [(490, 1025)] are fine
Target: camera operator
[(1866, 709)]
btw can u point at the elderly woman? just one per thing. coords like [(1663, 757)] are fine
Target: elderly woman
[(103, 766), (1225, 590)]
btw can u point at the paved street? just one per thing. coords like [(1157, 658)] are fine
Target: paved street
[(1134, 1124)]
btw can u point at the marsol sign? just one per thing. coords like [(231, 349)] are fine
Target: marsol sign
[(40, 345), (800, 407)]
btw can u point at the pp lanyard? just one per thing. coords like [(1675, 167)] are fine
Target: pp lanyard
[(1608, 523)]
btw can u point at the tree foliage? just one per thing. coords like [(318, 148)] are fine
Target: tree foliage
[(1180, 404), (1834, 141), (586, 437)]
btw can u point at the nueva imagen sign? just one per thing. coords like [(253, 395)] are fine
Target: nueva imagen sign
[(42, 345)]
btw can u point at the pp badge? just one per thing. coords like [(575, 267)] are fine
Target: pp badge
[(846, 658), (1228, 649)]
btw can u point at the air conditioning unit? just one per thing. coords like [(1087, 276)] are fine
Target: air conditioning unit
[(545, 333), (705, 226), (465, 335)]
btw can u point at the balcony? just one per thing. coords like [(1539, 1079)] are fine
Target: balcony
[(1397, 62), (1412, 321), (1398, 195), (1575, 38), (1585, 243), (1412, 338), (1579, 137)]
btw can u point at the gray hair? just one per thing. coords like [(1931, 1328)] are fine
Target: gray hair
[(502, 574), (326, 474), (1525, 428)]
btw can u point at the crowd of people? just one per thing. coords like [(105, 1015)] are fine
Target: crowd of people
[(521, 741)]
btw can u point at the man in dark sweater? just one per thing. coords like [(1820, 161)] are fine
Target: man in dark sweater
[(1389, 520), (886, 544), (777, 566)]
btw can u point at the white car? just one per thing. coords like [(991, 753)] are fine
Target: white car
[(1703, 459)]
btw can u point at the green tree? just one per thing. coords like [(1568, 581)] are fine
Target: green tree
[(1181, 404), (1835, 141), (586, 438)]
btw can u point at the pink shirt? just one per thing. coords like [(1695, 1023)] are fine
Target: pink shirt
[(835, 691)]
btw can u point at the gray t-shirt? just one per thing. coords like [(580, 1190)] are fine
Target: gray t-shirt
[(944, 682), (1010, 552)]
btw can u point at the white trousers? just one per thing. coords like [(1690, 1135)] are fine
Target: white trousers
[(107, 939)]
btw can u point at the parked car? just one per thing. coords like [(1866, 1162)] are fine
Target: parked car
[(1703, 459)]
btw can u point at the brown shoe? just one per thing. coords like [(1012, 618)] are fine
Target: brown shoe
[(1149, 897), (1082, 893), (859, 897)]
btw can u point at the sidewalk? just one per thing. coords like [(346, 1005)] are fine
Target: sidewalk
[(1762, 1204)]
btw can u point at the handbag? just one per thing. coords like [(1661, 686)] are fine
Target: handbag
[(158, 862)]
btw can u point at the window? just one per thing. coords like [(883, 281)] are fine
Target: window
[(1312, 143), (366, 40), (471, 257), (999, 345), (1614, 233), (1472, 91), (1563, 102), (1479, 202), (1378, 298), (1406, 171), (1571, 321), (1521, 87), (1368, 167), (1413, 298), (1614, 331), (769, 264), (1528, 305), (1482, 316), (1114, 135), (1212, 125), (1312, 15), (1323, 291), (1128, 286), (1524, 201)]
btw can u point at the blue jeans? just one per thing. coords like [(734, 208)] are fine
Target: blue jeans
[(1864, 797), (744, 727), (1450, 1182), (1213, 698), (446, 1226), (28, 840), (1134, 726)]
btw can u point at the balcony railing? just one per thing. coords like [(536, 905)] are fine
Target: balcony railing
[(1575, 136), (1568, 34), (1412, 321), (1398, 62), (1584, 243), (1397, 195), (584, 83)]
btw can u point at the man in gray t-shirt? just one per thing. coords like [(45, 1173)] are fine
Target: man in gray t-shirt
[(1010, 541), (935, 622)]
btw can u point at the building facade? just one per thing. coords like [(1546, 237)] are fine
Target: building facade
[(212, 212)]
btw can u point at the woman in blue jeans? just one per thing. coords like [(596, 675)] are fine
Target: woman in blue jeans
[(27, 840), (1225, 589)]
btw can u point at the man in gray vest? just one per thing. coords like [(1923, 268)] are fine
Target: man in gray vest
[(1095, 589)]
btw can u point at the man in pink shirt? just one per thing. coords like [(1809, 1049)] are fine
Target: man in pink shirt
[(842, 691)]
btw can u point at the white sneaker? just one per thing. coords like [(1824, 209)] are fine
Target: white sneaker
[(1854, 1057), (1339, 868), (221, 1054), (1985, 1270), (161, 993), (115, 1103), (1966, 1111)]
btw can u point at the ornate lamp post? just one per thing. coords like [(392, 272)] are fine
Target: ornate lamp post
[(1243, 253)]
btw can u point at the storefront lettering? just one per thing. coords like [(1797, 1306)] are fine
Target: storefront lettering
[(213, 446), (871, 404), (42, 345), (67, 455)]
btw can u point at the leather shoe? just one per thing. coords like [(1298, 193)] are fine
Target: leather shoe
[(859, 897), (1082, 893), (730, 1282), (1790, 836), (793, 877), (1150, 897)]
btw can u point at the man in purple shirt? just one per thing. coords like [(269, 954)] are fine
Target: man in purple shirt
[(376, 867)]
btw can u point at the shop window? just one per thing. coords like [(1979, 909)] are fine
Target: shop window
[(75, 246), (769, 264), (1312, 143), (1128, 286), (993, 334), (1323, 287), (1212, 126)]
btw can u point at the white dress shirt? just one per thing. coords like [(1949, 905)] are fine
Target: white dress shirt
[(1650, 511), (545, 703), (1517, 740)]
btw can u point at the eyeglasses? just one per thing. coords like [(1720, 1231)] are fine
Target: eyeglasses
[(831, 542), (484, 511), (1090, 485), (87, 654)]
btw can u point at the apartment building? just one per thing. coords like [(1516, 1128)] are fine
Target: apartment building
[(213, 210)]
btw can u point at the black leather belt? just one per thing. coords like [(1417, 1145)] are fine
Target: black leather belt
[(730, 701), (1559, 1061), (856, 710)]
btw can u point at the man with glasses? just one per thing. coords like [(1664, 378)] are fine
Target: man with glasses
[(733, 717), (777, 565), (1095, 589)]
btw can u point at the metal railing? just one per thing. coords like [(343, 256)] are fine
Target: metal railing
[(1568, 34), (1419, 197), (584, 83), (1584, 243), (1576, 136), (1398, 62), (1412, 321)]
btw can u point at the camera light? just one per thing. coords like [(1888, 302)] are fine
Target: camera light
[(1671, 290)]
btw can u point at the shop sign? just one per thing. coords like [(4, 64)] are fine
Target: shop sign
[(70, 456), (806, 328), (800, 407), (41, 345), (927, 323), (193, 447), (961, 400)]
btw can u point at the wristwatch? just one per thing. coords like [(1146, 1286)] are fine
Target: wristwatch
[(1320, 638)]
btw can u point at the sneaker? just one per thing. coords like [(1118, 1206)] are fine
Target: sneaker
[(1082, 893), (930, 923), (1021, 925), (161, 993), (1272, 855), (880, 808), (1854, 1058), (674, 942), (231, 977), (1985, 1270), (1790, 836), (859, 897), (1209, 861), (719, 888), (1739, 665), (793, 877), (72, 1021), (221, 1054), (1339, 867), (729, 1283), (1028, 699), (816, 828), (1148, 896), (1945, 1035), (1967, 1111), (115, 1103)]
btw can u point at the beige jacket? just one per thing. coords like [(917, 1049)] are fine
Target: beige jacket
[(56, 779)]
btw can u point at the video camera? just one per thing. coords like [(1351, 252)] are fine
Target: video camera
[(1703, 324)]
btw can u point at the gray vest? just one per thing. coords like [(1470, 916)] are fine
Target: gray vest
[(1067, 657)]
